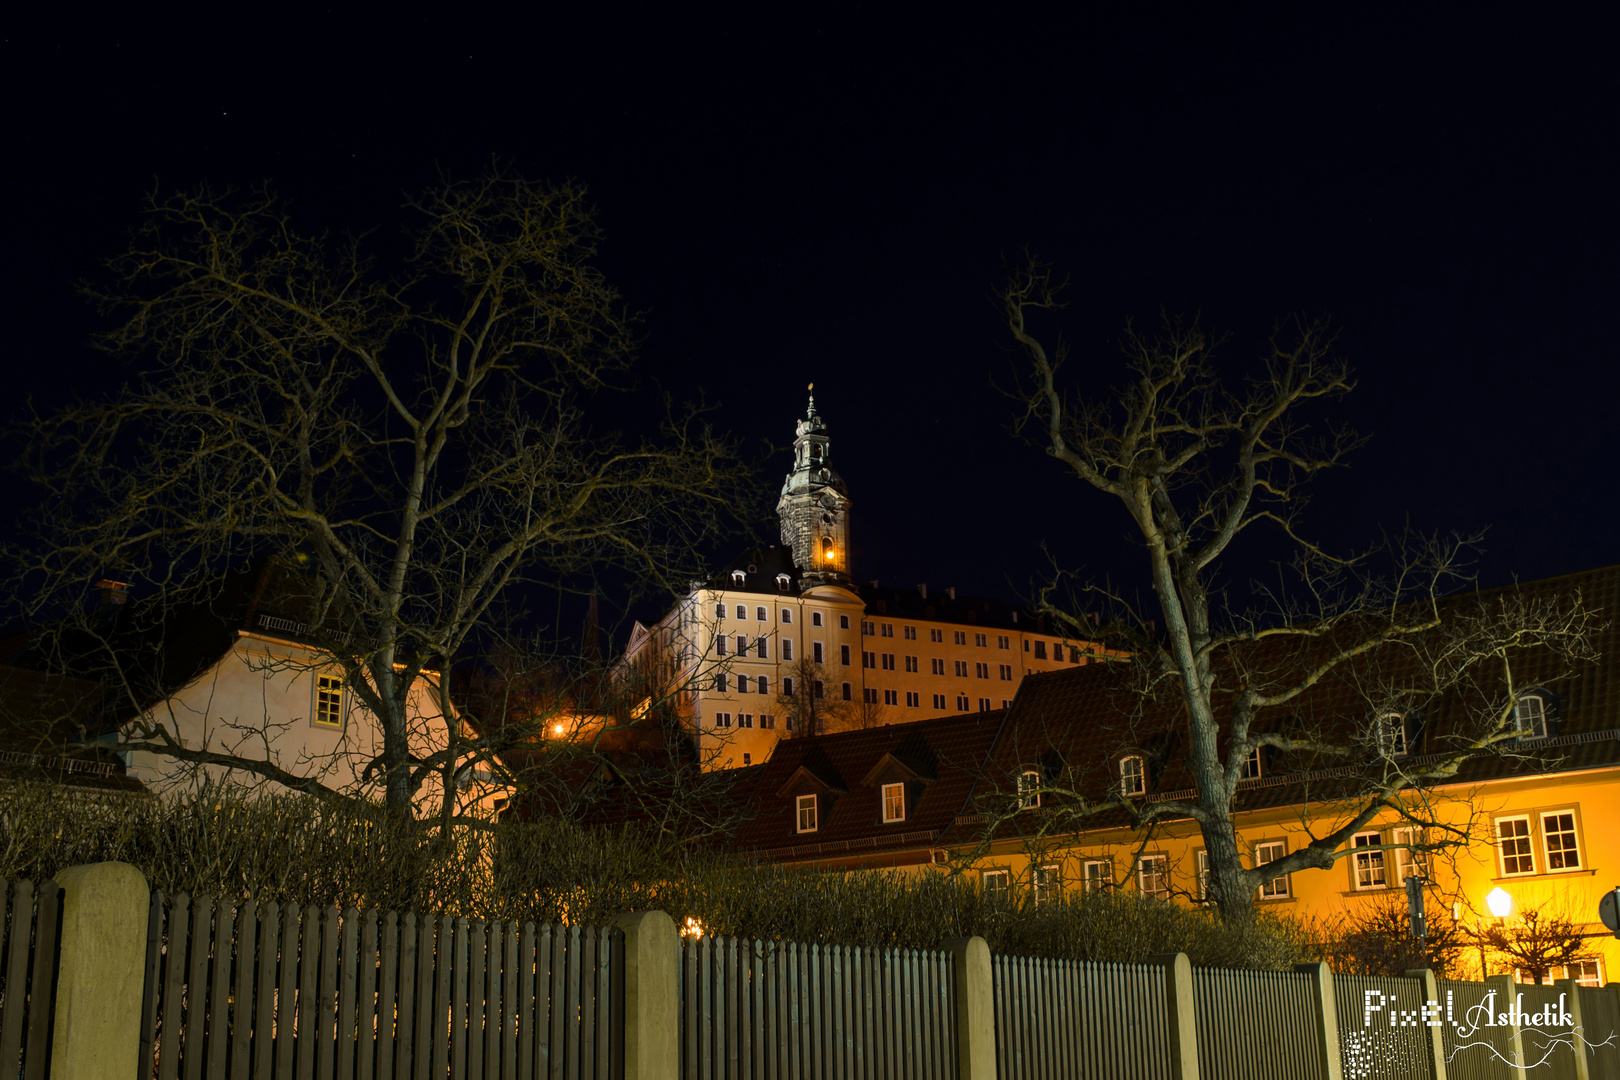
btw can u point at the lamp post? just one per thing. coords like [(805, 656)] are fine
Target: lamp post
[(1500, 903)]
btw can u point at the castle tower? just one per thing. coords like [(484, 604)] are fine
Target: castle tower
[(814, 507)]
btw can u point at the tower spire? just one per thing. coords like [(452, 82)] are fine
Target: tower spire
[(814, 507)]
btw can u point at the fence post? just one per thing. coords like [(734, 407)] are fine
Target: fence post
[(1327, 1019), (103, 972), (1583, 1068), (1437, 1043), (652, 1003), (1181, 1017), (1508, 995), (975, 1009)]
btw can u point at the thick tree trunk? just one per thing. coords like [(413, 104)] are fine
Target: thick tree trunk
[(1233, 899)]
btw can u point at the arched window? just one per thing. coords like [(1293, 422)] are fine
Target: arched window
[(1132, 776), (1530, 716)]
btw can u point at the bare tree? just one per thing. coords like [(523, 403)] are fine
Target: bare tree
[(1536, 941), (1201, 466), (417, 428)]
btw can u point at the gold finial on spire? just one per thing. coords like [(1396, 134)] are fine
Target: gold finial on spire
[(812, 386)]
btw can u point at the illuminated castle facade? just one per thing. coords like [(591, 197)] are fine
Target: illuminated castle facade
[(782, 643)]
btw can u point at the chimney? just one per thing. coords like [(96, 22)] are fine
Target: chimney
[(1015, 618), (113, 592), (922, 590), (951, 592)]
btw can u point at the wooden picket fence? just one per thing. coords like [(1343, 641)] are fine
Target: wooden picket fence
[(260, 991), (32, 918), (775, 1010), (1062, 1019)]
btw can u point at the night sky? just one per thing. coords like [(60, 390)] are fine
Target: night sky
[(830, 194)]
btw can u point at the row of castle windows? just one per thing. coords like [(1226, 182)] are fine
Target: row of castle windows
[(761, 684)]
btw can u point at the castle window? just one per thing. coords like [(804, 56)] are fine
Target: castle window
[(815, 651), (766, 720), (787, 616), (981, 640), (891, 697), (760, 615), (742, 684), (818, 689), (961, 637), (722, 719), (939, 702), (911, 664), (1132, 776), (913, 699), (742, 611), (815, 618), (843, 622), (787, 691), (1530, 716), (1006, 672), (764, 684), (843, 655), (888, 629), (722, 682), (719, 644), (936, 635), (1003, 642), (888, 661), (787, 648), (936, 665), (911, 633), (849, 692), (962, 703), (1040, 650), (869, 695), (981, 670), (719, 611), (961, 668), (745, 719), (984, 704), (762, 647), (742, 644)]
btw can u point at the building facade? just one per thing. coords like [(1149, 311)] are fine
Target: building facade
[(784, 643)]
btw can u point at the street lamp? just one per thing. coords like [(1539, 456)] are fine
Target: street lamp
[(1500, 901)]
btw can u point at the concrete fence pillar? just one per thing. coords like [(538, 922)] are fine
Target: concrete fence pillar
[(652, 996), (1507, 992), (1180, 1015), (103, 972), (1327, 1018), (1583, 1063), (1430, 991), (975, 1009)]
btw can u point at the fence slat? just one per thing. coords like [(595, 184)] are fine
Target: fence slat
[(309, 953), (399, 1046), (555, 1046), (530, 983), (427, 943), (17, 935), (48, 912), (512, 998), (366, 1022), (149, 989), (196, 992), (174, 970), (265, 998), (287, 992), (348, 960), (491, 1011), (247, 933), (451, 934), (464, 1027)]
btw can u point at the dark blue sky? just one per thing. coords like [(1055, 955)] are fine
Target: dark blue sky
[(829, 194)]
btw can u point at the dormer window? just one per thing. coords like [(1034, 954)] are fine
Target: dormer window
[(738, 577), (1530, 716), (1391, 735), (1029, 789), (1251, 766), (782, 582), (1132, 776), (894, 803), (806, 807)]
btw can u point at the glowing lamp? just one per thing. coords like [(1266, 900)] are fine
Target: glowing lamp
[(556, 729), (829, 554), (1500, 901)]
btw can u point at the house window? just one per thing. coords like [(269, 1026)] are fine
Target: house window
[(995, 886), (960, 636), (1586, 972), (745, 719), (891, 697), (766, 720), (742, 611), (1029, 789), (1040, 650), (1006, 672), (843, 655), (961, 668), (1513, 841), (936, 635), (329, 700), (815, 618), (982, 670), (1003, 642), (787, 648), (984, 704), (981, 640), (1153, 876), (888, 661), (748, 759), (911, 664), (815, 651), (787, 686), (868, 659), (939, 701), (1391, 735), (807, 813), (913, 700), (1204, 875), (868, 629), (722, 683), (1046, 883), (843, 622), (1270, 851), (1558, 837), (742, 684), (962, 703), (762, 647), (720, 611), (787, 616), (911, 633), (719, 644), (1132, 776), (764, 684), (722, 719), (1251, 766), (1409, 863), (1369, 865), (869, 695), (888, 629), (1098, 875), (936, 665), (742, 644), (1530, 716), (894, 802)]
